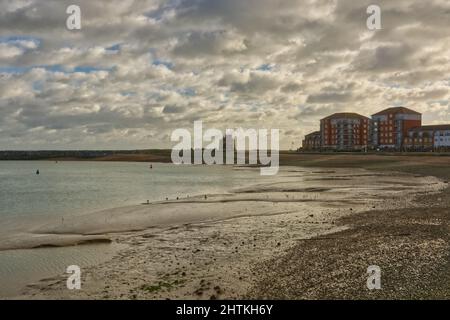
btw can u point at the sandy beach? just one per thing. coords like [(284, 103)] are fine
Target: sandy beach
[(246, 243), (410, 244), (224, 150)]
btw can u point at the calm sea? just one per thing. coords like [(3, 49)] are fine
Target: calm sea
[(73, 187)]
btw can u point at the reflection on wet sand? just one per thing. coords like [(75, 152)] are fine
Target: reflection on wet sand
[(205, 247)]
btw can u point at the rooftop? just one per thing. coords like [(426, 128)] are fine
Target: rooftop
[(315, 133), (396, 110), (340, 115), (431, 127)]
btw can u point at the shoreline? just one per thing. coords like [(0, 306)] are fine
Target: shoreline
[(213, 259), (99, 226), (411, 245), (164, 155)]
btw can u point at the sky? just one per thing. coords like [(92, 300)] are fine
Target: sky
[(137, 70)]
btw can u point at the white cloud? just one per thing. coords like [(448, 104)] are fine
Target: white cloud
[(9, 51), (147, 67)]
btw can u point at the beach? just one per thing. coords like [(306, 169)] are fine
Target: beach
[(410, 244), (212, 150), (249, 242)]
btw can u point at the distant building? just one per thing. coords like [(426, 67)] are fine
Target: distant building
[(397, 128), (442, 137), (426, 138), (390, 126), (312, 141), (345, 132)]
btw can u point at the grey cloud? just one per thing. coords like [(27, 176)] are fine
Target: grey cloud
[(384, 58), (209, 43), (249, 63), (173, 109), (333, 97)]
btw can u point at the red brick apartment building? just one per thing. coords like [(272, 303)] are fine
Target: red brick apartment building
[(397, 128), (312, 141), (345, 131), (390, 126)]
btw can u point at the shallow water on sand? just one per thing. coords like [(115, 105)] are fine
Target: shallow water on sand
[(75, 187), (219, 240), (70, 188), (308, 199), (19, 268)]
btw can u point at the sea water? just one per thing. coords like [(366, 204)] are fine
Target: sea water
[(67, 188)]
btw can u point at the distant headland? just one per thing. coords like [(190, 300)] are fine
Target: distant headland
[(154, 155)]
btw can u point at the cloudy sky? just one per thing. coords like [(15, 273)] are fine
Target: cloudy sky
[(139, 69)]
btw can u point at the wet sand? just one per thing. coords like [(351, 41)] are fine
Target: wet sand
[(229, 245), (411, 244)]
